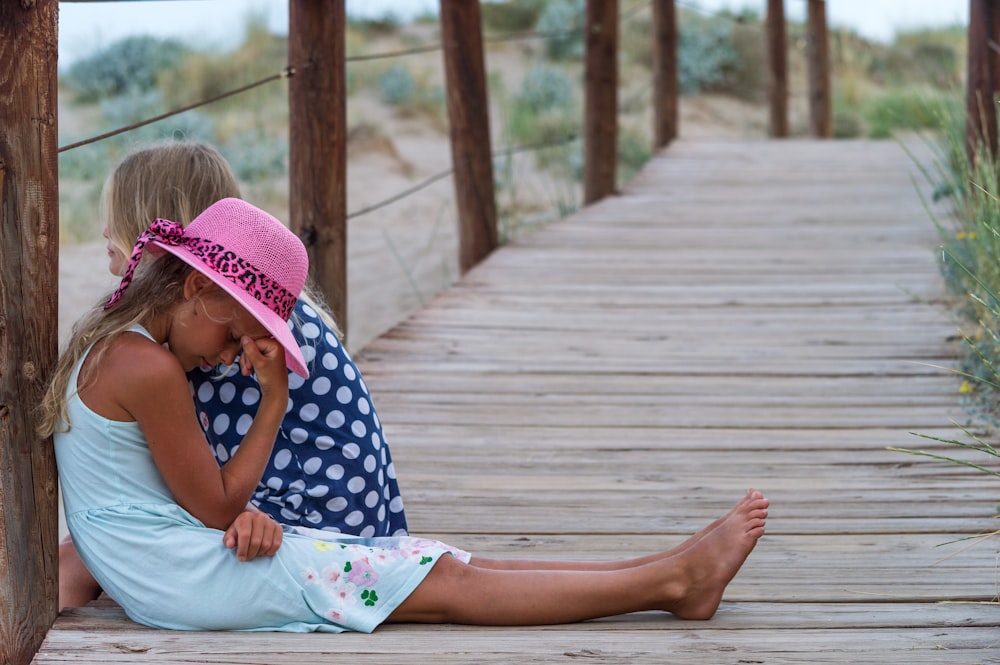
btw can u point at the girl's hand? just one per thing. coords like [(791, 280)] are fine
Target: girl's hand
[(253, 534), (267, 358)]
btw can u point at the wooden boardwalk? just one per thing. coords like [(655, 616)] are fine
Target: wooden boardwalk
[(745, 314)]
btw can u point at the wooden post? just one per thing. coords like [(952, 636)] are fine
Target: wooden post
[(469, 121), (994, 44), (981, 81), (665, 88), (777, 52), (600, 112), (818, 53), (317, 138), (29, 269)]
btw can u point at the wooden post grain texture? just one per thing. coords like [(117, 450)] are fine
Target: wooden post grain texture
[(994, 43), (600, 112), (317, 137), (469, 122), (665, 85), (818, 55), (29, 268), (981, 81), (777, 57)]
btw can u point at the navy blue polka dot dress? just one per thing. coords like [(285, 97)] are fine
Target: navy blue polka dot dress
[(330, 468)]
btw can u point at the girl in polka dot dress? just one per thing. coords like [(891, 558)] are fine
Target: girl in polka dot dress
[(331, 468), (163, 527)]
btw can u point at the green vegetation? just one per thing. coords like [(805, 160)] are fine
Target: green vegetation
[(906, 85), (132, 64), (563, 21), (536, 96), (970, 258), (970, 265)]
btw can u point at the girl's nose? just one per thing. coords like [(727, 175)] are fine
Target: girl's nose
[(228, 356)]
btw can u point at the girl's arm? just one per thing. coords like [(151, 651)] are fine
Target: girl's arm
[(150, 384)]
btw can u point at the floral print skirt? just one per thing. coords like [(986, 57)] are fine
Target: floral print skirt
[(169, 571)]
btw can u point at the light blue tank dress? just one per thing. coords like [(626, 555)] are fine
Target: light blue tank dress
[(168, 570)]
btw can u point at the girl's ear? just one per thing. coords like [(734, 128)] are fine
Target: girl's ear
[(195, 284)]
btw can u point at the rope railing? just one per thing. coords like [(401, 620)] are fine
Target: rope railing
[(291, 70), (285, 73), (441, 175)]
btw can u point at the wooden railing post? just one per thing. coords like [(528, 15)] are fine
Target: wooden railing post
[(29, 268), (665, 87), (818, 53), (469, 120), (982, 79), (600, 113), (994, 44), (777, 52), (317, 138)]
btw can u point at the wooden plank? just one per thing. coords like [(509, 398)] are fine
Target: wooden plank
[(666, 91), (29, 258), (600, 106), (469, 123), (317, 144), (645, 638), (981, 81), (777, 61)]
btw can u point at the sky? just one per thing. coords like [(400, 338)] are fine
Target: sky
[(85, 27)]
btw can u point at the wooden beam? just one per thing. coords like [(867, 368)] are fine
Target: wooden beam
[(317, 138), (777, 52), (994, 44), (981, 81), (665, 86), (29, 269), (600, 113), (818, 54), (469, 120)]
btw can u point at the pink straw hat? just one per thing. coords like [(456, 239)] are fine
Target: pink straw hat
[(245, 251)]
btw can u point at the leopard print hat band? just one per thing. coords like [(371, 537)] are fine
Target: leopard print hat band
[(248, 253), (237, 270)]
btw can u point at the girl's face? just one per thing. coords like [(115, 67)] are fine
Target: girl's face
[(206, 331), (116, 260)]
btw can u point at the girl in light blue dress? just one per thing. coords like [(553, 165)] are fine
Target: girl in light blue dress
[(162, 527), (330, 467)]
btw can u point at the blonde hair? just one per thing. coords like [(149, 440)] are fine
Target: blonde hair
[(158, 285), (177, 180)]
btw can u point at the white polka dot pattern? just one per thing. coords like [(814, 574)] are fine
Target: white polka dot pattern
[(330, 467)]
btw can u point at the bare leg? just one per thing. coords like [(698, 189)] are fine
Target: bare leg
[(542, 564), (689, 584), (77, 586)]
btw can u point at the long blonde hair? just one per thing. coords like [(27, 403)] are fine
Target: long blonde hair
[(158, 285), (176, 180)]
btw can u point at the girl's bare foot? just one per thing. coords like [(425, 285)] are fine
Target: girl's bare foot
[(710, 563), (751, 495)]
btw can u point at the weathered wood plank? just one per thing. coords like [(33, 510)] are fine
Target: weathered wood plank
[(317, 144), (469, 129), (29, 250), (641, 639)]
